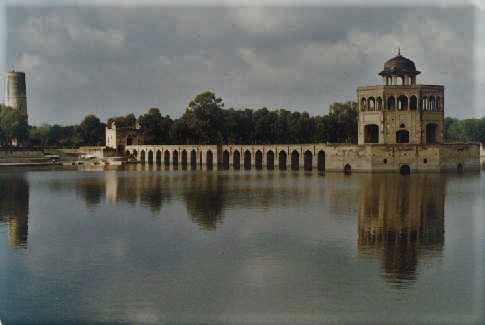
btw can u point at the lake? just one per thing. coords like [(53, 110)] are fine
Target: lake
[(144, 245)]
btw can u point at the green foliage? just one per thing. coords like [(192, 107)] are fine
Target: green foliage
[(122, 121), (464, 130), (91, 131), (156, 128), (13, 125)]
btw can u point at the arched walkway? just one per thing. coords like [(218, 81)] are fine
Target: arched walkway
[(158, 157), (282, 160), (270, 160), (142, 156), (184, 159), (405, 170), (308, 160), (150, 157), (193, 159), (135, 154), (391, 103), (209, 160), (247, 160), (321, 160), (236, 160), (225, 160), (166, 158), (175, 158), (258, 160), (295, 160)]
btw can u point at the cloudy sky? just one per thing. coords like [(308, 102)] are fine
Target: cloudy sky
[(114, 60)]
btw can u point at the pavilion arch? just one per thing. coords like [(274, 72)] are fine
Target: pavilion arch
[(236, 160), (321, 161), (175, 158), (431, 104), (405, 169), (129, 140), (258, 160), (166, 158), (142, 156), (438, 104), (431, 133), (391, 103), (424, 103), (135, 154), (225, 159), (402, 103), (371, 104), (379, 103), (150, 157), (158, 157), (371, 133), (402, 136), (270, 159), (209, 160), (295, 160), (193, 159), (247, 159), (127, 153), (282, 160), (184, 159), (363, 104), (413, 103), (307, 160)]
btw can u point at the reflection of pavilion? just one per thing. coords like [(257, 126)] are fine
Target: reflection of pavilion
[(14, 210), (402, 219)]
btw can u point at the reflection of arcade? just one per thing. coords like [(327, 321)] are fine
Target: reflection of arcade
[(402, 218), (14, 209)]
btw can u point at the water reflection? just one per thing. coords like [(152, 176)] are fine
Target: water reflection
[(401, 219), (14, 208)]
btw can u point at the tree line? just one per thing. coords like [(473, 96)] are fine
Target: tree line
[(207, 121)]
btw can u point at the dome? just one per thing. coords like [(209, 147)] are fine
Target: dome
[(399, 65)]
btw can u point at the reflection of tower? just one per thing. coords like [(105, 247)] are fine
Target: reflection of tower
[(111, 187), (16, 91), (14, 209), (402, 218)]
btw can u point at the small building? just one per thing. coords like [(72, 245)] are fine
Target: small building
[(400, 110), (119, 137)]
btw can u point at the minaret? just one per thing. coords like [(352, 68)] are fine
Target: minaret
[(16, 91)]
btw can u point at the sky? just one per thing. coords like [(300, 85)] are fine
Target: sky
[(112, 60)]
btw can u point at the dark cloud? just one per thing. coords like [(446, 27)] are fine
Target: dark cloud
[(111, 61)]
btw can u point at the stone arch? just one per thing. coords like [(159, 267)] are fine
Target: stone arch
[(295, 160), (129, 140), (258, 160), (371, 104), (402, 103), (142, 155), (236, 160), (135, 154), (184, 159), (402, 136), (193, 159), (175, 158), (166, 158), (127, 153), (158, 157), (321, 160), (270, 159), (371, 133), (225, 159), (150, 157), (431, 104), (459, 168), (247, 159), (424, 103), (379, 103), (431, 133), (363, 104), (438, 104), (307, 160), (413, 103), (391, 103), (348, 169), (209, 160), (405, 170), (282, 160)]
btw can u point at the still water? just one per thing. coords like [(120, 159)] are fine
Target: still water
[(157, 246)]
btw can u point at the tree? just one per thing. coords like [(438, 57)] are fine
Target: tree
[(13, 126), (91, 131), (128, 120)]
